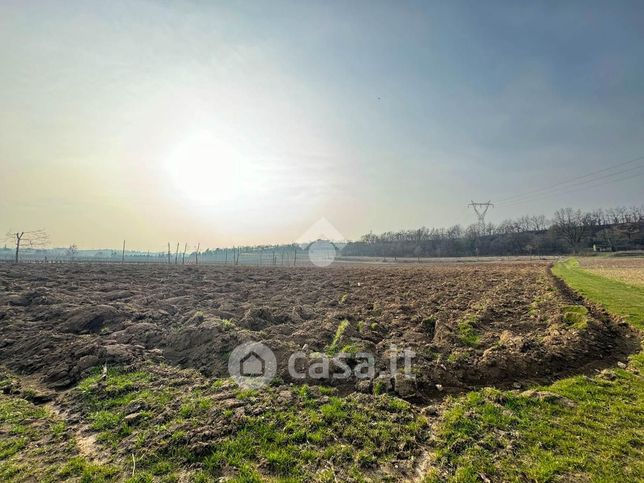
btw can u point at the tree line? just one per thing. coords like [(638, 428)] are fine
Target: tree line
[(568, 231)]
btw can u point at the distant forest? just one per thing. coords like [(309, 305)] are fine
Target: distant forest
[(569, 231)]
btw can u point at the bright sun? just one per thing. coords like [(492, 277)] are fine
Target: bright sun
[(208, 171)]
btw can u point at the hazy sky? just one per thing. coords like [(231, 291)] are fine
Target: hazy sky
[(246, 122)]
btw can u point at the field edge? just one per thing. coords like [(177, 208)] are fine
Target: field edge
[(577, 429)]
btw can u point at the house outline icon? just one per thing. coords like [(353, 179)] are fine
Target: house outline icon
[(252, 365)]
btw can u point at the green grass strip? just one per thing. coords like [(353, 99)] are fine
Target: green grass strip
[(618, 297)]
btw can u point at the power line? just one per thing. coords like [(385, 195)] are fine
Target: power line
[(574, 189), (563, 189), (572, 180), (613, 177)]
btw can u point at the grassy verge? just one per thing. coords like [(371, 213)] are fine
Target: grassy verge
[(618, 297), (578, 429)]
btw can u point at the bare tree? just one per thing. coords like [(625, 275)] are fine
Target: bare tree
[(539, 223), (33, 239), (72, 251), (572, 225)]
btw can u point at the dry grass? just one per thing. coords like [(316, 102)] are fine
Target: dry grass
[(627, 270)]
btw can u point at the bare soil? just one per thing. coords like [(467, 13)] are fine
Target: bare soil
[(470, 325)]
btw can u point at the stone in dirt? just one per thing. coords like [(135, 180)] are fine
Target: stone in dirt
[(132, 418)]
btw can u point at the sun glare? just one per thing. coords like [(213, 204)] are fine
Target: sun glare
[(208, 171)]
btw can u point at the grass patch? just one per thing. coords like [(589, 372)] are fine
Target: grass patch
[(510, 437), (86, 471), (195, 406), (246, 394), (11, 446), (333, 410), (576, 316), (351, 349), (379, 387), (256, 439), (332, 349), (104, 420), (290, 441), (457, 356), (33, 441), (467, 333)]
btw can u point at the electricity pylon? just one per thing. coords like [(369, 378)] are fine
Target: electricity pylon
[(481, 209)]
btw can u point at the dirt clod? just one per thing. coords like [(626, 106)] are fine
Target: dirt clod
[(92, 319)]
